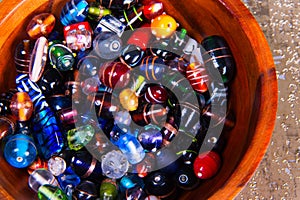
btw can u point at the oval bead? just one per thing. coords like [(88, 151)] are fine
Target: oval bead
[(163, 26), (156, 94), (207, 164), (21, 106), (152, 68), (40, 25), (197, 77)]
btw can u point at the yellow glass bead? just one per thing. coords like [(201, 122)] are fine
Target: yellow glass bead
[(128, 99), (163, 26)]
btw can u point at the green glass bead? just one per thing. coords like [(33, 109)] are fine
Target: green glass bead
[(80, 136), (61, 56), (50, 192), (108, 189)]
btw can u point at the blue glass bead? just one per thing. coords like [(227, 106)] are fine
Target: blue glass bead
[(129, 181), (59, 102), (74, 11), (86, 166), (152, 68), (20, 151), (68, 181), (129, 145), (86, 190), (110, 24), (150, 138), (47, 134)]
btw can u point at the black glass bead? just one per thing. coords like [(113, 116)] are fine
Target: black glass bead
[(59, 102), (135, 193), (186, 179), (132, 55), (86, 190), (167, 160), (162, 49), (5, 100), (218, 55), (22, 56), (117, 4), (51, 82), (160, 185)]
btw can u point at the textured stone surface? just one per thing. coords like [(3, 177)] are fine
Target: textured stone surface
[(278, 176)]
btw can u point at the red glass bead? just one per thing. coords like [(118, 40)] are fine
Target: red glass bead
[(163, 26), (153, 9), (196, 75), (156, 94), (207, 164), (37, 164), (114, 75), (141, 37)]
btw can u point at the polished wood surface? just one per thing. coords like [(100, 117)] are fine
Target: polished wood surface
[(253, 98)]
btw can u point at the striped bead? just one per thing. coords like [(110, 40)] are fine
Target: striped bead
[(153, 68), (195, 73)]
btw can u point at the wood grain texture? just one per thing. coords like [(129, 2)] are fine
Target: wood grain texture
[(254, 90)]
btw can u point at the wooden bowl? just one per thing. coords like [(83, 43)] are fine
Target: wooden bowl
[(254, 90)]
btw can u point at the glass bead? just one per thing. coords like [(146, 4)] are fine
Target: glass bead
[(150, 138), (107, 45), (96, 12), (128, 99), (59, 102), (118, 4), (86, 166), (152, 68), (132, 17), (50, 192), (163, 49), (151, 197), (20, 151), (51, 82), (160, 185), (108, 189), (153, 9), (21, 106), (197, 76), (141, 37), (80, 136), (114, 75), (132, 55), (186, 179), (90, 85), (74, 11), (110, 24), (37, 164), (78, 36), (68, 180), (103, 104), (169, 132), (156, 94), (22, 56), (85, 190), (89, 65), (7, 126), (40, 25), (38, 59), (167, 160), (216, 53), (207, 164), (5, 100), (163, 26), (56, 165), (61, 56), (41, 177), (136, 192), (122, 117), (114, 164), (129, 145), (146, 166)]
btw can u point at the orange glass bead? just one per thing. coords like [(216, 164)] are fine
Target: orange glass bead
[(197, 77), (21, 106), (37, 164), (40, 25), (163, 26)]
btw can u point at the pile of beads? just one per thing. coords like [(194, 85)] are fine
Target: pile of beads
[(120, 103)]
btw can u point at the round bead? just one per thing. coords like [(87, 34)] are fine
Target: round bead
[(207, 164), (132, 55), (128, 99), (114, 75), (20, 151), (195, 73), (40, 25), (107, 45), (80, 136), (150, 138), (86, 190), (56, 165), (163, 26), (141, 37), (153, 9), (89, 65), (90, 85), (114, 164), (108, 189), (40, 177), (186, 179), (152, 68), (156, 94), (21, 106)]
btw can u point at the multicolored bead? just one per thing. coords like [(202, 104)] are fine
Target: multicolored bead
[(163, 26), (152, 68), (197, 77)]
